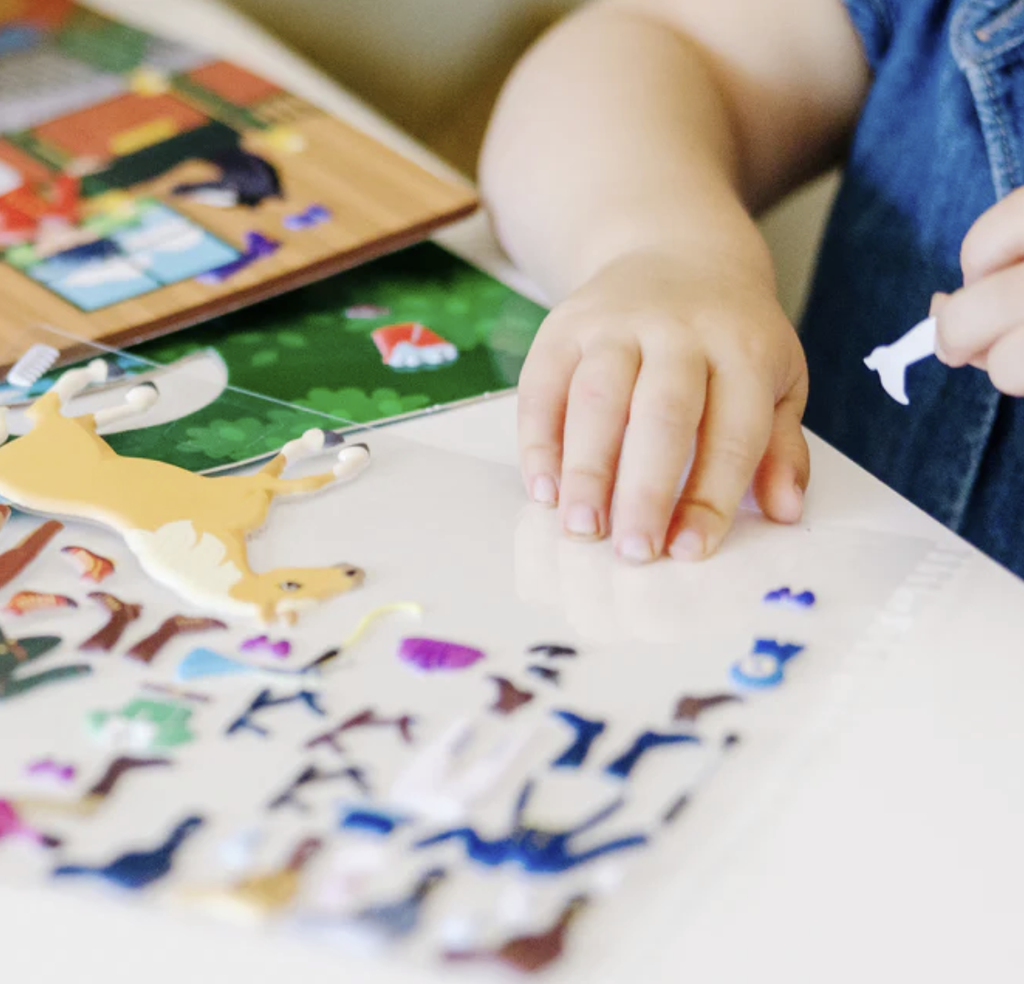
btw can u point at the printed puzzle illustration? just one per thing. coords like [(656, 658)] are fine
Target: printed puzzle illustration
[(145, 185), (240, 386)]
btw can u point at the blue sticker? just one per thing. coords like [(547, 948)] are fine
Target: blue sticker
[(764, 666)]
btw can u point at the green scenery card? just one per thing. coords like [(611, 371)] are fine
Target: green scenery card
[(407, 334)]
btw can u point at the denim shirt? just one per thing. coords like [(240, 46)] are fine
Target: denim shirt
[(940, 140)]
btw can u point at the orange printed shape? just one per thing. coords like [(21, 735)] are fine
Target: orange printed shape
[(93, 132), (234, 84), (93, 567), (26, 602)]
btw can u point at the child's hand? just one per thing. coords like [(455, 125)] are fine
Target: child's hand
[(982, 324), (680, 353)]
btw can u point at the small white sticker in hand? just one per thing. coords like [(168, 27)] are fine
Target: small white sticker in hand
[(892, 361)]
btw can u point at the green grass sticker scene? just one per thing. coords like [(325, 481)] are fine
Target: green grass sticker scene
[(319, 357)]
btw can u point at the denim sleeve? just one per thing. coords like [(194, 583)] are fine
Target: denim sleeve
[(874, 22)]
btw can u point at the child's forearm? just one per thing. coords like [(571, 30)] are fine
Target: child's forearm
[(620, 133)]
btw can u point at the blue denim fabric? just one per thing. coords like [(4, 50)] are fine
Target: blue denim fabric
[(941, 139)]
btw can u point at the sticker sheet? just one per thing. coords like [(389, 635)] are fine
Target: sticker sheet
[(146, 185), (364, 696)]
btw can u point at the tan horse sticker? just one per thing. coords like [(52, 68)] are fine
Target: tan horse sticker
[(189, 532)]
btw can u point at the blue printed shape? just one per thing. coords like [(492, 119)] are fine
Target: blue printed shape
[(266, 700), (140, 869), (93, 276), (785, 596), (536, 851), (764, 667), (206, 663), (371, 821), (622, 767), (587, 732)]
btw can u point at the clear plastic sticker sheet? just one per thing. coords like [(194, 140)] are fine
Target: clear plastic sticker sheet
[(418, 728)]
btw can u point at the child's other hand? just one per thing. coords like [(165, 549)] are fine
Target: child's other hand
[(982, 324), (679, 353)]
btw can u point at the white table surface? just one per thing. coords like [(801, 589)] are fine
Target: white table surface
[(896, 857)]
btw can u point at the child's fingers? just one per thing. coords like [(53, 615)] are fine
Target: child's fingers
[(663, 420), (996, 240), (595, 421), (730, 444), (781, 478), (543, 394), (974, 318), (1005, 363)]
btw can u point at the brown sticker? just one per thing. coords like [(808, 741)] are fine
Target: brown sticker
[(15, 560), (121, 616), (147, 650)]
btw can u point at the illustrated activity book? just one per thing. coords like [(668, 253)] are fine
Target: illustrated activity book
[(145, 185), (240, 386)]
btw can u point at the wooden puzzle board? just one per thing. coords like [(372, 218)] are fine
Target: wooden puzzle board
[(131, 258)]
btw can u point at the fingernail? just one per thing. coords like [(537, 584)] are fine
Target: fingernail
[(636, 548), (689, 545), (544, 490), (581, 521)]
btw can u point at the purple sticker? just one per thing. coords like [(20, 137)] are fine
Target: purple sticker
[(49, 769), (313, 216), (433, 654), (257, 247), (282, 648)]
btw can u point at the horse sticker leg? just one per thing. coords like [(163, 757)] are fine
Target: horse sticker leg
[(137, 401)]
